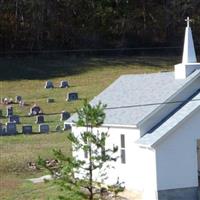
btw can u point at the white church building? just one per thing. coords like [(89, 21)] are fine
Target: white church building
[(154, 119)]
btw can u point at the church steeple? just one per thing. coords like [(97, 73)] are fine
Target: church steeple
[(189, 60), (189, 55)]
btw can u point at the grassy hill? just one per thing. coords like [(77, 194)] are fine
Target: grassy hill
[(26, 77)]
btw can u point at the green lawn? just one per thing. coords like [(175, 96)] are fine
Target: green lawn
[(26, 77)]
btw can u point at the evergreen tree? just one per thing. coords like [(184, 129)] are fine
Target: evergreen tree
[(81, 174)]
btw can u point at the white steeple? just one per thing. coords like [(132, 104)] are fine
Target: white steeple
[(189, 55), (189, 60)]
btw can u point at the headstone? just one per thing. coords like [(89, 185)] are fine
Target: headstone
[(43, 128), (49, 100), (39, 119), (48, 85), (72, 96), (9, 111), (11, 128), (35, 110), (66, 127), (14, 119), (64, 115), (27, 129), (64, 84), (18, 99)]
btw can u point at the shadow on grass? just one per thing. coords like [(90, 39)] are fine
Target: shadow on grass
[(37, 67)]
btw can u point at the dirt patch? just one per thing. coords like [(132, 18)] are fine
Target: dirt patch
[(131, 195)]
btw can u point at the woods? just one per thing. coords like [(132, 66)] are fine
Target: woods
[(81, 24)]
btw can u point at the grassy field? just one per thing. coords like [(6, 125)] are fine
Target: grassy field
[(26, 77)]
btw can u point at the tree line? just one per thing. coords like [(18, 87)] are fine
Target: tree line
[(80, 24)]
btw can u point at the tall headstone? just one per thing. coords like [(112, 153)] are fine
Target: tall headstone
[(64, 84), (9, 111), (64, 115), (72, 96), (43, 128), (14, 119), (27, 129), (11, 128), (48, 85), (39, 119)]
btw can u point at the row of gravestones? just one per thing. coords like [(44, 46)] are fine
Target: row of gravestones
[(15, 118), (18, 99), (49, 84), (10, 128)]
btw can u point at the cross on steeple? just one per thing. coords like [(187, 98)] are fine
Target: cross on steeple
[(188, 20)]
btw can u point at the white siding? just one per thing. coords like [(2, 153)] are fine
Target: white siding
[(139, 171), (176, 156)]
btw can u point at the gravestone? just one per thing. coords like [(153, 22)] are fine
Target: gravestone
[(43, 128), (67, 127), (11, 128), (9, 111), (48, 85), (72, 96), (35, 110), (64, 115), (50, 100), (27, 129), (39, 119), (18, 99), (64, 84), (14, 119)]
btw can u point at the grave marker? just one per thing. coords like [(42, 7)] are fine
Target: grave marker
[(27, 129), (64, 115), (50, 100), (39, 119), (43, 128), (35, 110), (11, 128), (72, 96), (48, 85), (64, 84), (9, 111), (18, 99), (14, 119)]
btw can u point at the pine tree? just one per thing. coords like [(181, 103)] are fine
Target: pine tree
[(82, 175)]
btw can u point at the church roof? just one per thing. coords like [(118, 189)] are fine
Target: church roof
[(150, 139), (131, 98)]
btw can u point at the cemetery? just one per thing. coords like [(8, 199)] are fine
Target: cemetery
[(14, 116)]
